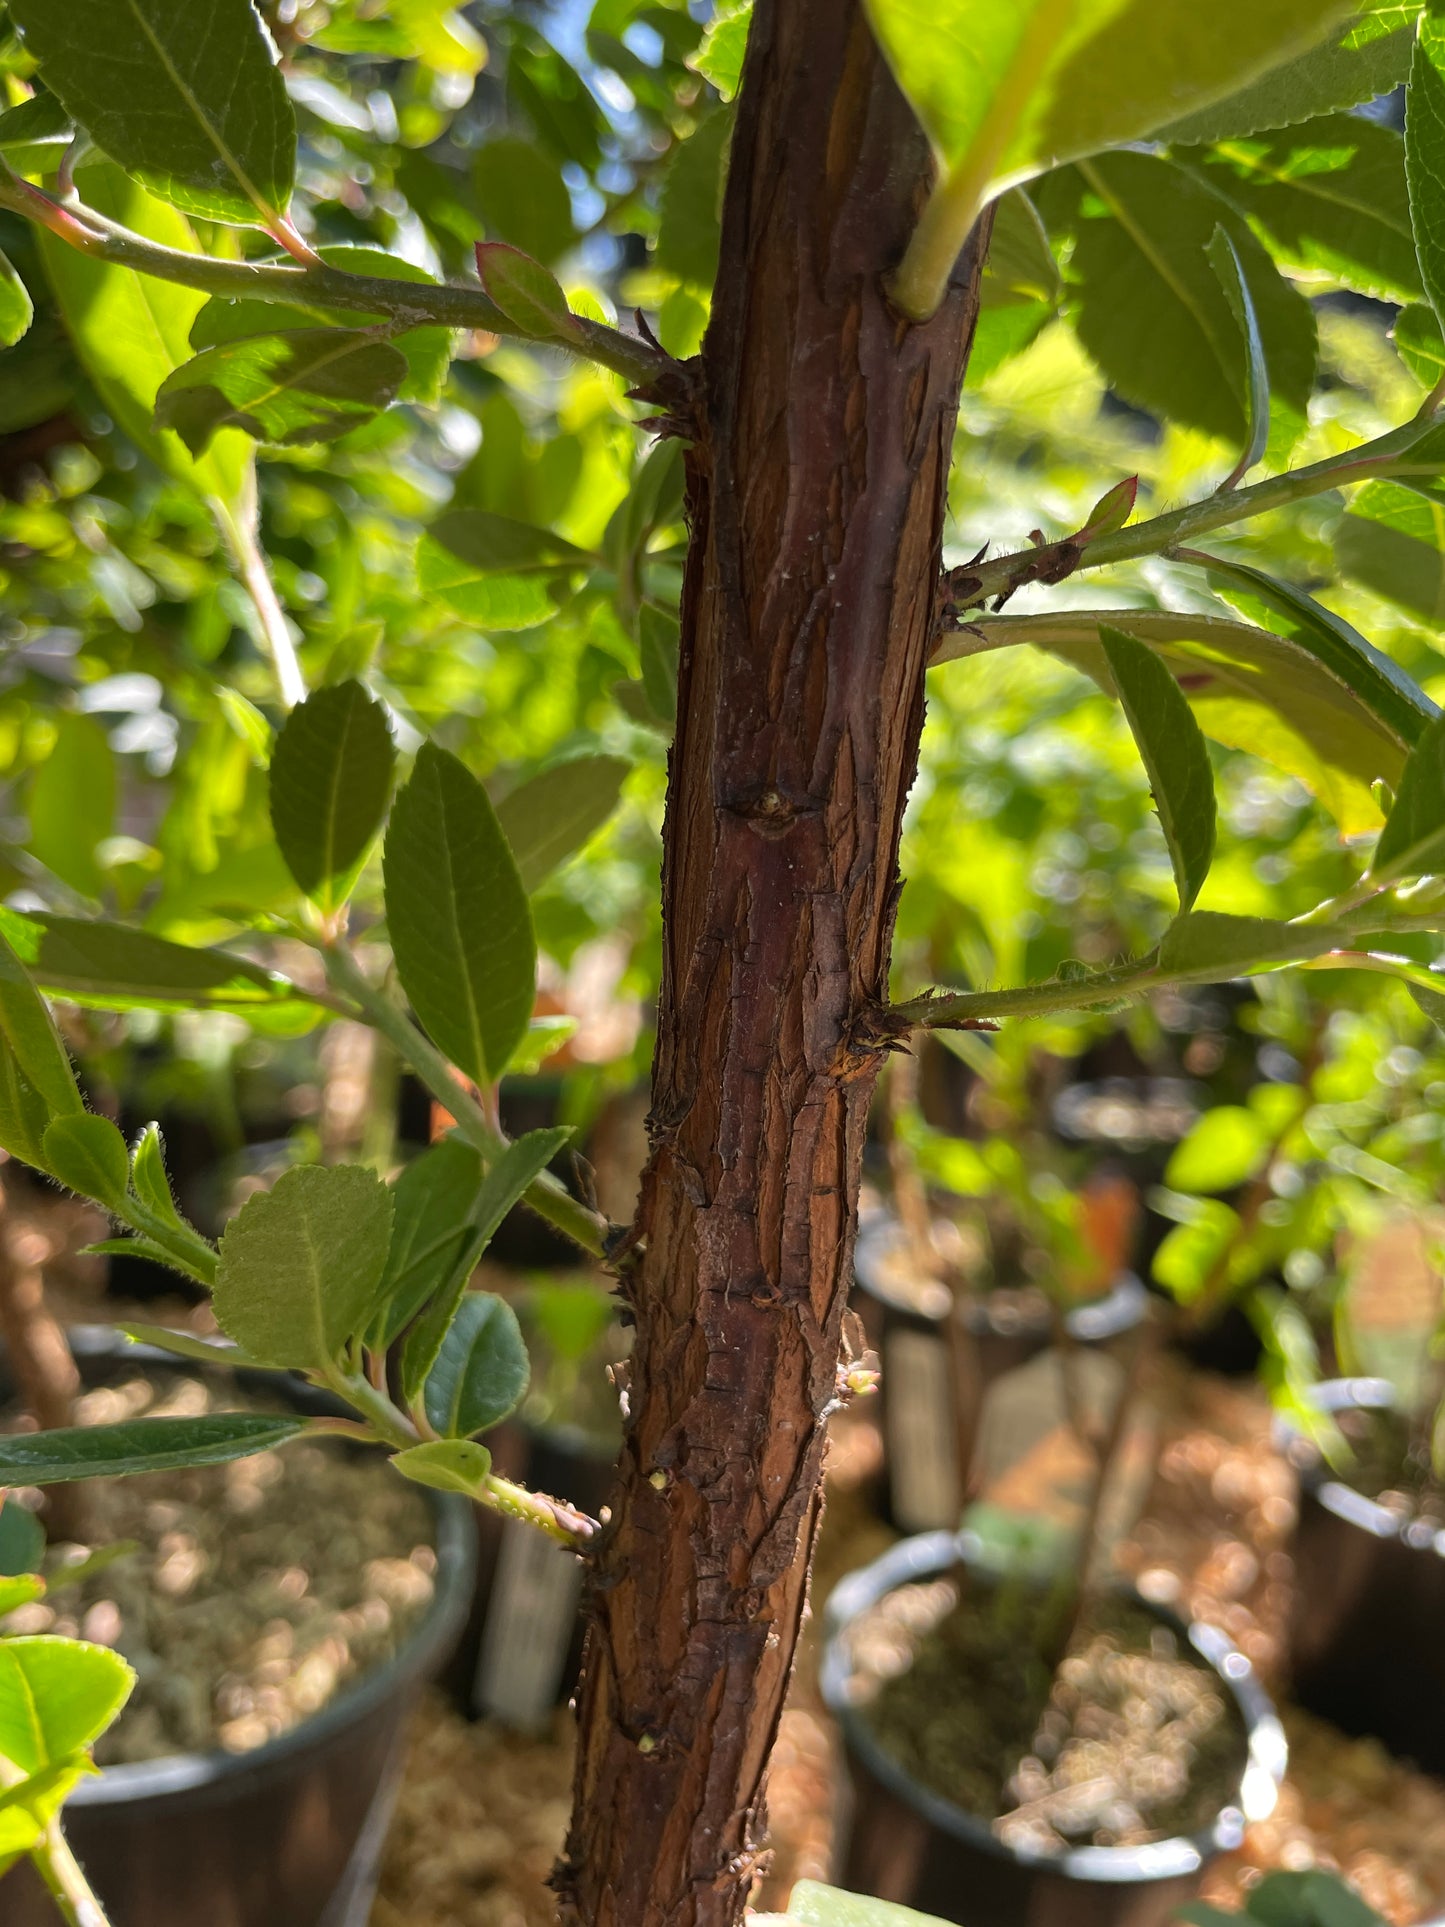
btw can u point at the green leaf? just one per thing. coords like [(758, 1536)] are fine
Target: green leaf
[(690, 216), (187, 99), (522, 198), (1393, 541), (1310, 1899), (57, 1696), (450, 1465), (72, 803), (1153, 313), (1173, 752), (481, 1370), (433, 1199), (814, 1905), (1412, 842), (506, 1180), (1425, 154), (1189, 1254), (1331, 196), (35, 133), (1400, 704), (300, 1265), (550, 817), (108, 966), (32, 1039), (1207, 946), (1020, 269), (719, 58), (87, 1154), (460, 928), (1369, 58), (496, 572), (659, 640), (297, 385), (1224, 259), (528, 294), (208, 1351), (331, 772), (17, 311), (1222, 1151), (22, 1547), (1006, 92), (140, 1445), (131, 330), (148, 1176), (428, 351), (1418, 337)]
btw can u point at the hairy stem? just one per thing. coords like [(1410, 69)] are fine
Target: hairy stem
[(65, 1882)]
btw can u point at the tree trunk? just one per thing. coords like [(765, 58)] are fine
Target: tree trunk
[(816, 496)]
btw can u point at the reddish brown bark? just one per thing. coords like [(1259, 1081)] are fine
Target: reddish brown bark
[(816, 501)]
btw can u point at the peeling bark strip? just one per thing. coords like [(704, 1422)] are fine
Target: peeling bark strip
[(816, 502)]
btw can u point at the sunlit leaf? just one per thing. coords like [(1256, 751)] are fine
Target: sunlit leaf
[(298, 385), (548, 818)]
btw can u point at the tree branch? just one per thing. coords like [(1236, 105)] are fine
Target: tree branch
[(1389, 455), (656, 375)]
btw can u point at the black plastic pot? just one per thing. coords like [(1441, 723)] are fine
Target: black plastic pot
[(1367, 1637), (938, 1357), (289, 1835), (906, 1843)]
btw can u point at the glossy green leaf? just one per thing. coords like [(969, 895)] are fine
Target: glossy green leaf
[(499, 573), (1208, 946), (690, 217), (1425, 154), (300, 1264), (528, 294), (87, 1154), (132, 330), (57, 1696), (72, 803), (1248, 688), (481, 1370), (1393, 541), (1224, 259), (207, 1351), (460, 927), (148, 1176), (433, 1199), (35, 133), (1412, 842), (1006, 92), (720, 56), (522, 197), (331, 774), (187, 99), (140, 1445), (1331, 195), (1171, 746), (109, 966), (428, 351), (298, 385), (550, 817), (32, 1039), (449, 1465), (1369, 57), (1153, 313), (1401, 706), (17, 311), (1223, 1150), (1417, 335), (506, 1179)]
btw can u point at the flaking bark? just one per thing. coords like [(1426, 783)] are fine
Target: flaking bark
[(816, 498)]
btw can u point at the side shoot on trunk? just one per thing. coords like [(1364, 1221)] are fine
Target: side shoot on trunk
[(874, 147)]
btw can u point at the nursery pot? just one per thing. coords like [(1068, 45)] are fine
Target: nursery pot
[(932, 1366), (908, 1844), (290, 1834), (521, 1654), (1367, 1636)]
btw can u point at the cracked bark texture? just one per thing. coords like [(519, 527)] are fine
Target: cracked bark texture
[(816, 496)]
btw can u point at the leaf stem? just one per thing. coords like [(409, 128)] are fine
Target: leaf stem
[(545, 1195), (415, 303), (1387, 455), (380, 1414), (65, 1881), (238, 528)]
